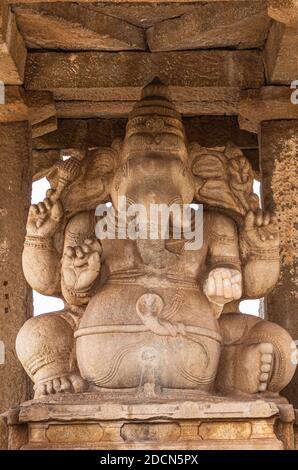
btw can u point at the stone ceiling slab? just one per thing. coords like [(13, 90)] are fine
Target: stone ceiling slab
[(75, 27), (212, 25)]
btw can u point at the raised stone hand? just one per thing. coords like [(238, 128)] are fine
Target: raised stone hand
[(223, 285), (81, 265), (45, 218), (260, 231)]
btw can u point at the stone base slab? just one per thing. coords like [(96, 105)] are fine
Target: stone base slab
[(92, 421)]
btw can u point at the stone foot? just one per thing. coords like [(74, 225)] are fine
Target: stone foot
[(257, 356), (64, 384), (255, 364)]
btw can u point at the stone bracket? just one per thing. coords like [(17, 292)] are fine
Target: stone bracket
[(38, 107), (269, 104)]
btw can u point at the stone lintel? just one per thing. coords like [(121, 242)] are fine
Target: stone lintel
[(254, 106), (189, 101), (109, 76)]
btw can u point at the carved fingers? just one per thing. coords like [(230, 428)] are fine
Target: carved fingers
[(261, 229), (45, 217), (223, 285), (81, 264)]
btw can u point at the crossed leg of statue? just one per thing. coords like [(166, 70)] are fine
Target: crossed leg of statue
[(45, 347), (256, 357)]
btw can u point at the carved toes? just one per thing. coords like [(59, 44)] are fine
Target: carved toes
[(256, 363), (78, 384), (266, 351), (57, 385), (65, 385)]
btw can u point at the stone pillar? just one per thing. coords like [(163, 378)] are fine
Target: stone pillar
[(279, 156), (15, 295)]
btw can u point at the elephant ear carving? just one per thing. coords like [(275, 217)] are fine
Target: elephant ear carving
[(92, 185), (224, 179)]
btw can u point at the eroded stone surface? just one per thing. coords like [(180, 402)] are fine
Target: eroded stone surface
[(241, 26), (116, 76), (107, 406), (270, 104), (280, 56), (12, 49), (120, 420), (279, 149), (3, 433), (76, 28), (15, 158)]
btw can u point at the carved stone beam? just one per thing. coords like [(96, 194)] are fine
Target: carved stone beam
[(120, 76), (52, 26), (270, 104), (276, 8), (36, 107), (205, 101), (280, 53), (42, 112), (13, 51), (238, 25), (201, 82)]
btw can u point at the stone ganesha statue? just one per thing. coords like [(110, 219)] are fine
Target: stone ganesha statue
[(150, 314)]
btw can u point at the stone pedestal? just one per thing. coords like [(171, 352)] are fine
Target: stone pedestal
[(296, 430), (87, 421)]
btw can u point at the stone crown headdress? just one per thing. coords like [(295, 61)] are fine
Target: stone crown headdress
[(155, 124)]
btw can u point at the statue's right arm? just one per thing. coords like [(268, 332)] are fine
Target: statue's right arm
[(41, 266), (41, 261)]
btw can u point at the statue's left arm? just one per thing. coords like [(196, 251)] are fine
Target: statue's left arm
[(223, 282), (259, 245), (81, 261)]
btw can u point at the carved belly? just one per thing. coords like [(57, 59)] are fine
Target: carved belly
[(129, 336)]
